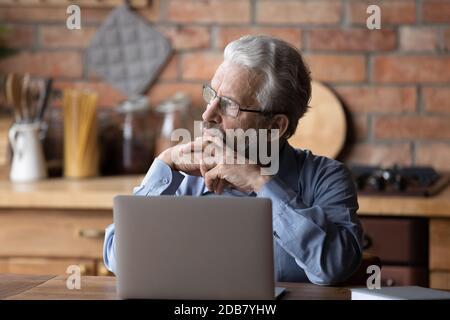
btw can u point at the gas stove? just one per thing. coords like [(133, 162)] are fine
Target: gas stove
[(396, 180)]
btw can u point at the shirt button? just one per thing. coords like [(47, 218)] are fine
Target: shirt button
[(139, 188), (165, 181)]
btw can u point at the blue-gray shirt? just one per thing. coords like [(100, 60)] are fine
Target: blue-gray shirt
[(317, 231)]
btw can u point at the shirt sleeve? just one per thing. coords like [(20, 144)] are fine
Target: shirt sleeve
[(159, 180), (324, 238)]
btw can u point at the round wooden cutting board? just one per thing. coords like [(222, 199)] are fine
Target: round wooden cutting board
[(323, 128)]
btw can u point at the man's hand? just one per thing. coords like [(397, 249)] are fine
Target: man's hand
[(244, 177), (209, 157), (184, 157), (225, 169)]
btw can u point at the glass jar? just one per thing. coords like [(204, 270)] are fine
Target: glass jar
[(174, 112), (129, 144)]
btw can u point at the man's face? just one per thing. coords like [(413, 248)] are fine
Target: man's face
[(238, 84)]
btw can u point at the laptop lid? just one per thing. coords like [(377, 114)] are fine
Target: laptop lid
[(194, 247)]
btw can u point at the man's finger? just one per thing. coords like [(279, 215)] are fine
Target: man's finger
[(216, 140), (204, 167), (196, 145), (211, 176), (225, 154), (220, 186)]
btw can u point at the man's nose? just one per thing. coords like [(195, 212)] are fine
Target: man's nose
[(212, 112)]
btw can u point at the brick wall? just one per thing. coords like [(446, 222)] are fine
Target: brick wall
[(394, 82)]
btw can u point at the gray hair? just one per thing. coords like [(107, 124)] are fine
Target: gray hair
[(286, 86)]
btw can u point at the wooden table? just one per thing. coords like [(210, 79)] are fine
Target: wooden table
[(32, 287)]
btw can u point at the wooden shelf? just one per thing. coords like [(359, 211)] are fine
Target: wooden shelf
[(81, 3)]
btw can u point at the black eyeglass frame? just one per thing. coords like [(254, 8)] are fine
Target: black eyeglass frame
[(207, 86)]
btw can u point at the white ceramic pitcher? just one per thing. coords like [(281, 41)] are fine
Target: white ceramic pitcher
[(28, 162)]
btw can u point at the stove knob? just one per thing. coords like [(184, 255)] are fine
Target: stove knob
[(376, 183), (399, 183), (360, 182)]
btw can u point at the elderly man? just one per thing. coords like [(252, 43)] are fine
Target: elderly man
[(263, 83)]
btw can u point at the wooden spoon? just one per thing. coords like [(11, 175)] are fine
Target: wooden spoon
[(25, 86), (13, 95)]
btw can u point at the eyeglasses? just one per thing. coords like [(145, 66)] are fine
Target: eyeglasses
[(227, 106)]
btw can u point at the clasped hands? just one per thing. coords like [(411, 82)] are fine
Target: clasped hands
[(217, 163)]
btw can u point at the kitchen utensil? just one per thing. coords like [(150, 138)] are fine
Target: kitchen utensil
[(323, 128), (13, 94), (42, 106), (24, 103), (28, 163), (27, 96), (3, 101)]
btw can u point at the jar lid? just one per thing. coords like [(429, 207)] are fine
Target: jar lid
[(178, 102), (133, 104)]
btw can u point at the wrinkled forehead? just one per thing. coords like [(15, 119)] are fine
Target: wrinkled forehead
[(236, 82)]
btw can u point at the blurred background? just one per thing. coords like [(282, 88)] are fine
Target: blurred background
[(393, 82), (389, 88)]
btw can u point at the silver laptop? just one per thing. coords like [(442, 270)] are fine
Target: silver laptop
[(194, 248)]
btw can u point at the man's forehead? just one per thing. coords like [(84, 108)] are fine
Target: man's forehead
[(233, 81)]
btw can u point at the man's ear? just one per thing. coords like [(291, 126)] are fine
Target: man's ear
[(280, 122)]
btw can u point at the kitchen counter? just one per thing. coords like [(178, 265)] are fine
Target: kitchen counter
[(97, 193), (27, 287), (92, 193)]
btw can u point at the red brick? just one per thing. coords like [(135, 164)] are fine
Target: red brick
[(151, 11), (187, 37), (412, 127), (51, 14), (227, 34), (337, 68), (17, 36), (200, 65), (162, 91), (392, 11), (447, 39), (419, 39), (92, 76), (53, 64), (437, 99), (170, 70), (61, 37), (108, 95), (352, 39), (209, 11), (378, 99), (30, 14), (411, 69), (307, 12), (94, 15), (360, 126), (437, 11), (434, 154), (380, 154)]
